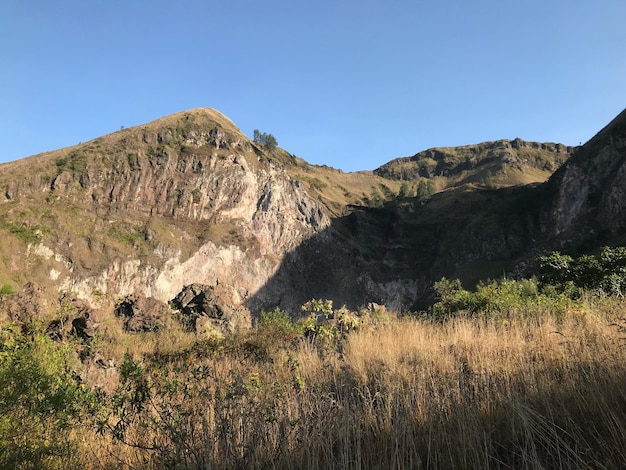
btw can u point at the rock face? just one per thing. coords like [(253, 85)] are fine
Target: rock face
[(588, 194), (186, 199), (141, 314), (165, 210), (202, 309), (26, 304)]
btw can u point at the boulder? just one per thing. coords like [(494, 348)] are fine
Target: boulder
[(141, 314), (204, 308), (76, 317)]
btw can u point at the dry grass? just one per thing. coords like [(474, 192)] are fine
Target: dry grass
[(542, 392)]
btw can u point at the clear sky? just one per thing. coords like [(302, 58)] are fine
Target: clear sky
[(347, 83)]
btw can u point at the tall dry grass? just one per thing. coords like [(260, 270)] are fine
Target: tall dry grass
[(541, 392)]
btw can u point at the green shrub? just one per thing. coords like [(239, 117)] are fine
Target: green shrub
[(424, 191), (6, 289), (503, 297), (278, 323), (603, 273), (40, 401)]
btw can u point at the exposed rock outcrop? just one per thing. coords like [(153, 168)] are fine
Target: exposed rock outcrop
[(188, 199), (182, 200), (202, 309), (26, 304), (588, 194), (141, 314)]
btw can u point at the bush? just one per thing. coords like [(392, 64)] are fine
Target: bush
[(503, 297), (604, 273), (424, 192), (6, 289), (277, 324), (40, 401)]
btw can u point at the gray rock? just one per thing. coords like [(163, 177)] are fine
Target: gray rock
[(141, 314), (202, 308)]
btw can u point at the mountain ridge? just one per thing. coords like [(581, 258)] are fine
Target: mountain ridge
[(189, 199)]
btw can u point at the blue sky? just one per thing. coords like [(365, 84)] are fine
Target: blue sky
[(346, 83)]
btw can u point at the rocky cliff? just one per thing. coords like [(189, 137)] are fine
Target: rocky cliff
[(189, 200), (587, 196), (185, 199)]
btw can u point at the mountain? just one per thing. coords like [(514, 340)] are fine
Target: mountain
[(189, 200), (185, 199), (497, 164)]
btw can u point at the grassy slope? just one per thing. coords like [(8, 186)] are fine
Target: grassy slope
[(492, 164), (541, 390)]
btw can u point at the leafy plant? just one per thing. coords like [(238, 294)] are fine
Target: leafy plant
[(278, 323), (6, 289), (41, 400), (502, 297), (267, 140), (603, 273), (424, 192)]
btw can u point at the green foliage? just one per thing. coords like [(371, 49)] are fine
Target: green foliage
[(181, 411), (603, 273), (195, 194), (451, 298), (128, 234), (375, 199), (267, 140), (279, 323), (133, 161), (315, 325), (6, 289), (40, 400), (327, 327), (319, 307), (404, 190), (503, 297), (424, 192), (24, 231), (75, 163), (388, 194), (129, 400)]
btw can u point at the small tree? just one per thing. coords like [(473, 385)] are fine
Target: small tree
[(267, 140), (424, 191), (404, 190), (604, 272)]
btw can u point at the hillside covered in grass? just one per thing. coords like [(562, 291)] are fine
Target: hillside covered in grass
[(518, 374)]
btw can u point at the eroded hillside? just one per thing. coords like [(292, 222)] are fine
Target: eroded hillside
[(149, 209), (189, 199)]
